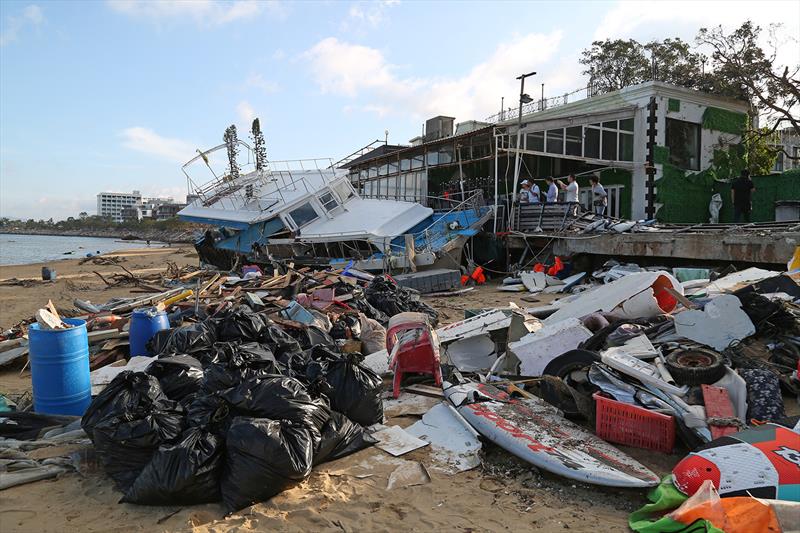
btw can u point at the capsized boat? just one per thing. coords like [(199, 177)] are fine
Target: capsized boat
[(309, 211)]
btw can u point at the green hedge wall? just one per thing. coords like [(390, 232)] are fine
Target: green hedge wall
[(718, 119)]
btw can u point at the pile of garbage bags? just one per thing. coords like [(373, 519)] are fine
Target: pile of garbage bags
[(234, 408)]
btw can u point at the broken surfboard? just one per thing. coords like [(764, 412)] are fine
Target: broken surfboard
[(535, 431)]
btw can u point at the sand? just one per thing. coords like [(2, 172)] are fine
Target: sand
[(350, 494)]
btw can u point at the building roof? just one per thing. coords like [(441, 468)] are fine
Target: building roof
[(399, 149)]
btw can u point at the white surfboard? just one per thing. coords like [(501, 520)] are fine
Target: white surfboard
[(535, 431)]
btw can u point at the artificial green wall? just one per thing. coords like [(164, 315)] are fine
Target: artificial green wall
[(723, 120), (685, 198)]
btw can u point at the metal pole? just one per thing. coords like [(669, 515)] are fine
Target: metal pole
[(502, 110), (519, 126), (496, 177)]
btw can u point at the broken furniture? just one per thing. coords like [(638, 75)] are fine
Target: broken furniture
[(414, 347)]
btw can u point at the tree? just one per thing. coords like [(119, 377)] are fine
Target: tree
[(259, 146), (755, 153), (83, 215), (614, 64), (674, 62), (742, 69), (232, 143)]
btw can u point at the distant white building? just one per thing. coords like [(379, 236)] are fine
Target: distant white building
[(111, 204)]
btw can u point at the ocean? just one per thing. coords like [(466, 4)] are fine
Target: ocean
[(26, 249)]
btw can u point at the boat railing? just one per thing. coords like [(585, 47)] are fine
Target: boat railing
[(271, 183), (424, 240)]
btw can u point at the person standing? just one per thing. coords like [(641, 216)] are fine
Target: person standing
[(525, 194), (535, 193), (552, 190), (599, 196), (571, 187), (742, 191)]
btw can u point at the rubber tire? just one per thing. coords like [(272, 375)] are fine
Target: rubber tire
[(565, 363), (695, 367)]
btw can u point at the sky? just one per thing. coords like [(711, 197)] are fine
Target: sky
[(117, 95)]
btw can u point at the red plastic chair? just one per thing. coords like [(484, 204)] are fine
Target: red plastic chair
[(415, 348)]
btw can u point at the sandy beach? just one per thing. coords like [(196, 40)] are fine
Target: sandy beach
[(350, 494)]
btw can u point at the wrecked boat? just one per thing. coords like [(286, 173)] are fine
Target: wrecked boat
[(309, 212)]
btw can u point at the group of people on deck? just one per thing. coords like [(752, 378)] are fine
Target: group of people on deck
[(531, 194)]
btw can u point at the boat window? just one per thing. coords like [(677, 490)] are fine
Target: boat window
[(536, 141), (574, 139), (303, 215), (343, 191), (328, 201)]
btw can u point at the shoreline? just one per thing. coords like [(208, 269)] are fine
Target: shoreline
[(186, 236)]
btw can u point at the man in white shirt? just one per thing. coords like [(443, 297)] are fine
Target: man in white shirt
[(527, 195), (535, 193), (571, 189)]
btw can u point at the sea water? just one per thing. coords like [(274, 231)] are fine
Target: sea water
[(26, 249)]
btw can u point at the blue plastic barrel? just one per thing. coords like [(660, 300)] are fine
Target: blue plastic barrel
[(60, 368), (145, 323)]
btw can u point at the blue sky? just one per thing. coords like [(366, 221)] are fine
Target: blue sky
[(116, 95)]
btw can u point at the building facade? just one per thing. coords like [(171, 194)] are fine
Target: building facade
[(111, 204), (605, 134)]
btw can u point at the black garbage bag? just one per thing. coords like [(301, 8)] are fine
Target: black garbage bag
[(346, 327), (340, 438), (126, 393), (311, 336), (263, 458), (360, 303), (278, 398), (240, 324), (125, 442), (178, 375), (193, 339), (391, 299), (237, 362), (279, 341), (209, 412), (185, 473), (354, 389)]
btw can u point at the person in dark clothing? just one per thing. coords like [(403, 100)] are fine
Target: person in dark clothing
[(742, 190)]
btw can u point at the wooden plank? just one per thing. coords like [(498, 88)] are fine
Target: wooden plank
[(424, 390), (718, 405)]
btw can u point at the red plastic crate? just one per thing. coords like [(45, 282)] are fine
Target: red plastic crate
[(630, 425)]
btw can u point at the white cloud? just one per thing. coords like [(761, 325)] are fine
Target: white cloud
[(279, 54), (31, 16), (246, 113), (366, 15), (355, 70), (202, 12), (646, 20), (149, 142), (257, 81)]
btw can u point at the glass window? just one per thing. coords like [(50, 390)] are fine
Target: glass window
[(303, 215), (778, 166), (611, 124), (596, 125), (481, 150), (591, 143), (574, 141), (418, 161), (383, 170), (392, 167), (405, 164), (445, 155), (555, 141), (683, 141), (433, 158), (625, 147), (626, 124), (391, 187), (536, 141), (373, 172), (344, 191), (609, 142), (328, 201)]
